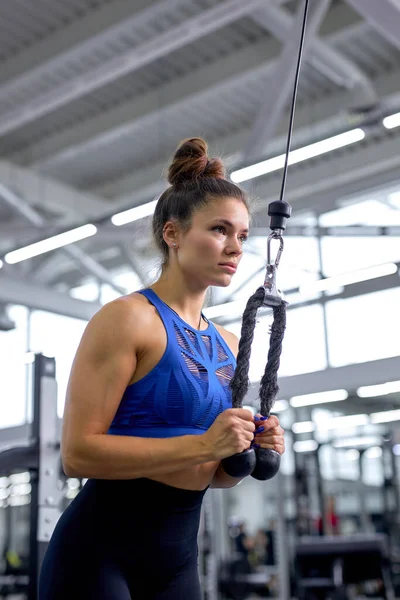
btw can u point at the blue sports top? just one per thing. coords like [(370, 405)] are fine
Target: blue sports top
[(188, 388)]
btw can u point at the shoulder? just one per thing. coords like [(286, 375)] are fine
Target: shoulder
[(230, 338), (120, 318), (124, 309)]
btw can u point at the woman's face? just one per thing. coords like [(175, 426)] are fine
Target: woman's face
[(210, 251)]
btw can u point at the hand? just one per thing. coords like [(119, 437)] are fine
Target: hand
[(272, 436), (231, 432)]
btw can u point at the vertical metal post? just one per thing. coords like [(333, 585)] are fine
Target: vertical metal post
[(45, 494), (365, 524), (320, 492), (34, 473), (49, 457), (321, 272), (281, 541), (209, 558)]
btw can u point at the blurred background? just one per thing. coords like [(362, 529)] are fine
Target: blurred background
[(95, 95)]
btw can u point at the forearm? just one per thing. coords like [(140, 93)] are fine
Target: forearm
[(223, 480), (122, 457)]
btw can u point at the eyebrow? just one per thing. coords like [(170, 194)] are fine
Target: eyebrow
[(229, 224)]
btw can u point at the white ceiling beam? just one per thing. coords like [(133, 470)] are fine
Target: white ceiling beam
[(41, 297), (326, 59), (245, 65), (77, 38), (21, 207), (103, 129), (280, 84), (175, 38), (384, 16), (54, 197)]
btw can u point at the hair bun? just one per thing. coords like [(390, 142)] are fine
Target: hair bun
[(190, 162)]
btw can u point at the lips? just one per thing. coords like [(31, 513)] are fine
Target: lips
[(231, 267)]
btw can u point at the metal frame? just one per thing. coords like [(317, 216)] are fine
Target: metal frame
[(41, 457)]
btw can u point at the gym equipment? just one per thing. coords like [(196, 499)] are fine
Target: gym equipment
[(41, 457), (326, 566), (262, 463)]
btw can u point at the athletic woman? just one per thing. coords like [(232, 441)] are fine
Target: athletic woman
[(148, 413)]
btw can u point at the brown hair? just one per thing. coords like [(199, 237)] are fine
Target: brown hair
[(196, 180)]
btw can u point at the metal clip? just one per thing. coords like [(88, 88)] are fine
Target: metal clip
[(273, 296)]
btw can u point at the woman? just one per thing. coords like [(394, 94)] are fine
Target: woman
[(148, 414)]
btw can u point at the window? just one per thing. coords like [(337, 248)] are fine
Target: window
[(57, 336), (303, 348), (363, 328), (13, 380)]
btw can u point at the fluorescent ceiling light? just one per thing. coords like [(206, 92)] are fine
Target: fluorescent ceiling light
[(134, 214), (337, 281), (306, 152), (343, 422), (354, 442), (386, 416), (1, 263), (396, 449), (394, 199), (382, 389), (352, 454), (303, 427), (52, 243), (373, 452), (280, 406), (318, 398), (305, 446), (392, 121)]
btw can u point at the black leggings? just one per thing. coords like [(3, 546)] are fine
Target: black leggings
[(125, 540)]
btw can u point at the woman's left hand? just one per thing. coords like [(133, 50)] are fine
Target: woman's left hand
[(269, 433)]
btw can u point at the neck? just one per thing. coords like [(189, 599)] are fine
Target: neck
[(184, 298)]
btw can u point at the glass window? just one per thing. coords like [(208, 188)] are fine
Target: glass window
[(303, 348), (347, 254), (13, 380), (363, 328), (57, 336), (367, 212)]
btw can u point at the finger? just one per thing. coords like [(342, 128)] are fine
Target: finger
[(270, 425), (280, 448), (248, 426), (276, 431), (272, 422), (270, 439), (242, 413), (260, 418)]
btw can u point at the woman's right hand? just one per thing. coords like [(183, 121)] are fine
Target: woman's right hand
[(231, 432)]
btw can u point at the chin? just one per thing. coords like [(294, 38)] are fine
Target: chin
[(223, 281)]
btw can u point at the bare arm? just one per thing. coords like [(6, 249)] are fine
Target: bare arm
[(104, 364)]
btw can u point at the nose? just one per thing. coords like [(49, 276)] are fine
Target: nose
[(234, 247)]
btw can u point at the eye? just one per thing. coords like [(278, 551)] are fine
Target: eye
[(220, 229), (243, 238)]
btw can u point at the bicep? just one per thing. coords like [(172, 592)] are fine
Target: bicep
[(102, 368)]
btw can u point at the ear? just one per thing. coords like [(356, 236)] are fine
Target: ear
[(171, 234)]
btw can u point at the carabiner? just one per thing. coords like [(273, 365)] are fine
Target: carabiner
[(273, 296)]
